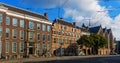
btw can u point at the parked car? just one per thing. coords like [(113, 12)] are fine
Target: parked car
[(81, 53), (113, 53)]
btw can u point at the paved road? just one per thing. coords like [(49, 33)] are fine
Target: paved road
[(101, 59)]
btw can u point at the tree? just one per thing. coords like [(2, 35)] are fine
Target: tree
[(99, 42), (95, 41)]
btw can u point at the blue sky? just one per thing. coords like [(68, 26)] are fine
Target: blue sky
[(104, 12), (53, 12)]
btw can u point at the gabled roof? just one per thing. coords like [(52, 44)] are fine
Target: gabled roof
[(94, 29), (19, 10)]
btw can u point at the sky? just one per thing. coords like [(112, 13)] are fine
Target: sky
[(97, 12)]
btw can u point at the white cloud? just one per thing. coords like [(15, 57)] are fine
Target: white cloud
[(80, 10)]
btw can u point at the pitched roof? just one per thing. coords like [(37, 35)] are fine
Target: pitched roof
[(94, 29), (19, 10), (63, 22)]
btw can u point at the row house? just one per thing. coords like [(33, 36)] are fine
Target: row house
[(23, 33), (64, 36)]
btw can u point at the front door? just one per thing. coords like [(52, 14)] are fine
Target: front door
[(31, 50)]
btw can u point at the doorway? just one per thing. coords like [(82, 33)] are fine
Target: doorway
[(31, 50)]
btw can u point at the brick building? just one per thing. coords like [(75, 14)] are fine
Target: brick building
[(64, 35), (107, 33), (23, 33)]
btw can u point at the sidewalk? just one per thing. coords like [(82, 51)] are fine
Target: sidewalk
[(50, 59), (28, 59)]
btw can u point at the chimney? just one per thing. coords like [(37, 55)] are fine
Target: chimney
[(74, 23), (46, 15)]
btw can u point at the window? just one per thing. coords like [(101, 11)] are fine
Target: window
[(55, 40), (49, 38), (14, 22), (54, 46), (38, 47), (7, 47), (48, 28), (38, 26), (44, 37), (14, 47), (62, 33), (43, 27), (31, 25), (48, 47), (7, 20), (44, 48), (62, 41), (73, 30), (66, 41), (21, 34), (14, 33), (38, 36), (31, 35), (7, 32), (0, 31), (54, 32), (1, 17), (22, 23), (21, 46), (63, 27)]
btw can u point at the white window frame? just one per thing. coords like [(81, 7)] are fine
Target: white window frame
[(1, 31), (22, 34), (31, 25), (22, 23), (38, 26), (13, 47), (7, 20), (30, 36), (8, 31), (37, 36), (48, 28), (49, 38), (14, 20), (1, 18), (13, 33), (21, 47), (38, 47), (7, 47), (43, 27)]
